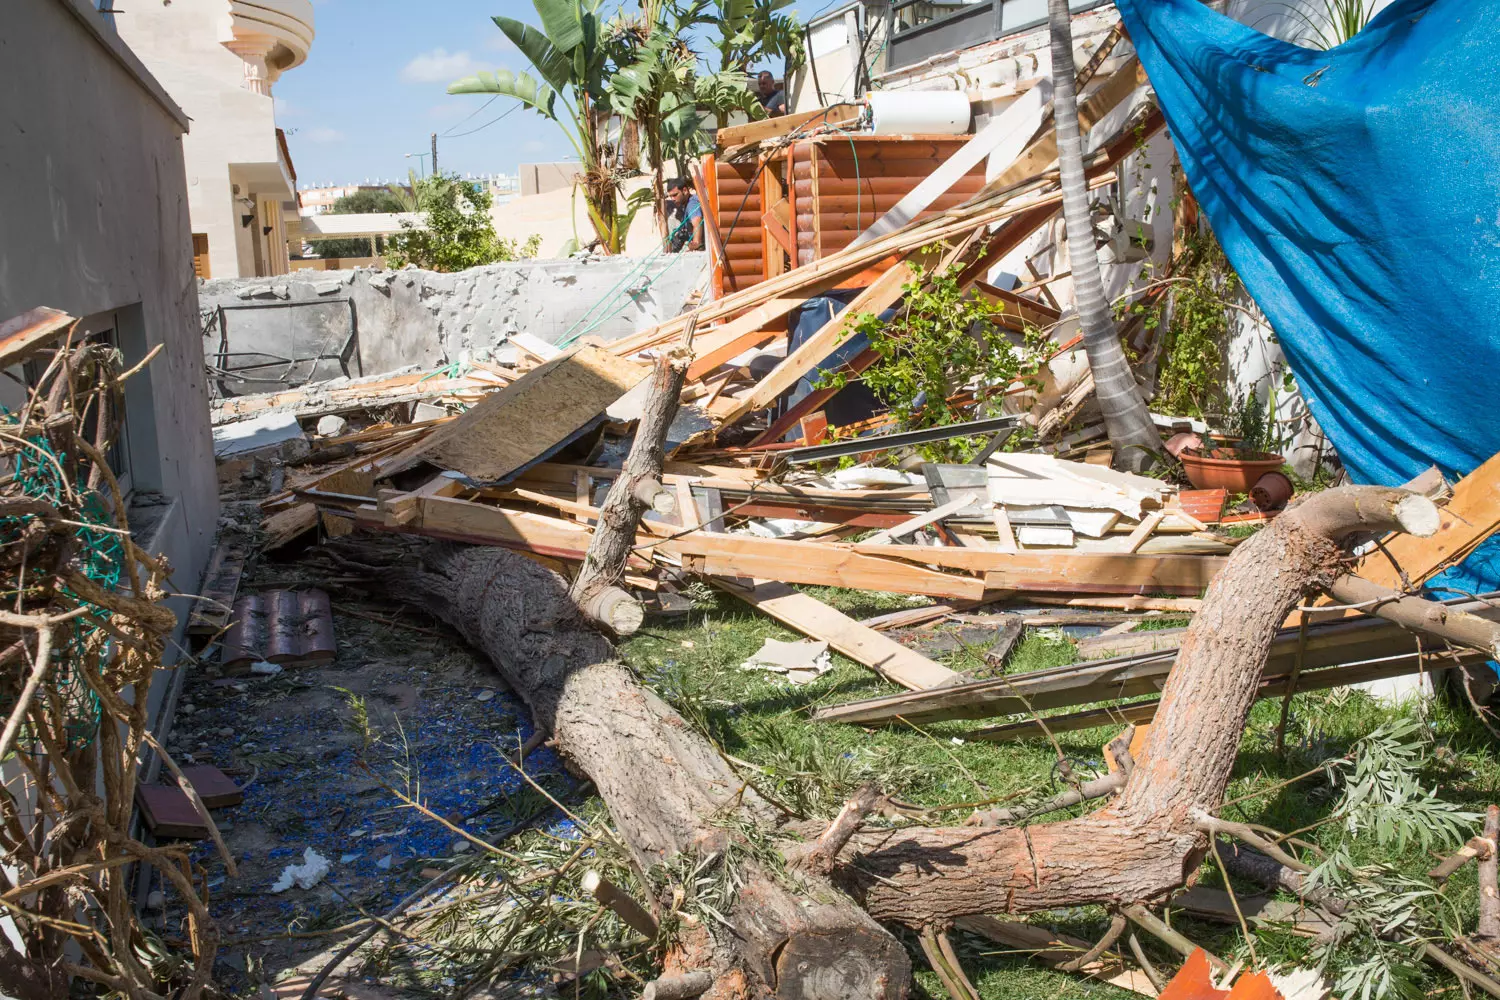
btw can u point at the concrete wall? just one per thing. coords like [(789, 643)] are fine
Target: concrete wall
[(539, 178), (414, 317), (95, 212)]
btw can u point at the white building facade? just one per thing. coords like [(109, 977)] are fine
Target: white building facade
[(219, 59)]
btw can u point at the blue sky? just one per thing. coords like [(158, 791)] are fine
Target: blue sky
[(372, 90)]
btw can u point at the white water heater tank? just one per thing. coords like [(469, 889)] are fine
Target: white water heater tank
[(920, 112)]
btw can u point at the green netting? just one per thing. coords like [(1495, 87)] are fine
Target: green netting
[(37, 472)]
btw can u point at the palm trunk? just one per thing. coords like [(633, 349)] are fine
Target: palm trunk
[(1131, 432), (654, 150)]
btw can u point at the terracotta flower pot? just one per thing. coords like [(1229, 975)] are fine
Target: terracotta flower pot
[(1230, 469)]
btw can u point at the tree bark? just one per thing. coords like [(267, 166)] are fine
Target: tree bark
[(596, 589), (1131, 431), (1145, 843), (667, 789)]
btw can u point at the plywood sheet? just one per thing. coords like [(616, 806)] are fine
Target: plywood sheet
[(529, 419)]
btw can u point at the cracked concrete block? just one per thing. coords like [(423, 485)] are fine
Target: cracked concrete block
[(328, 287)]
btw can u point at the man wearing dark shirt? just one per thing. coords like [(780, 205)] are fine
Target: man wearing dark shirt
[(771, 97), (688, 233)]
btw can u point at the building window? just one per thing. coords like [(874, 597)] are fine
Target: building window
[(200, 256)]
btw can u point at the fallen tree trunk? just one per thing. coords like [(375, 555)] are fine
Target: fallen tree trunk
[(1150, 839), (667, 789)]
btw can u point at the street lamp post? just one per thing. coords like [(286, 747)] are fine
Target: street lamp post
[(421, 161)]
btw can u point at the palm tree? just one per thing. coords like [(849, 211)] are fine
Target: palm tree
[(1132, 434), (569, 53)]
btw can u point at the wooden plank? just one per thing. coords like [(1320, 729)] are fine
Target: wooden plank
[(221, 582), (922, 520), (814, 563), (1470, 517), (1271, 686), (1330, 644), (528, 419), (885, 291), (1086, 572), (813, 618), (771, 128), (1005, 138), (481, 524), (285, 525), (1043, 153), (1143, 531), (22, 336)]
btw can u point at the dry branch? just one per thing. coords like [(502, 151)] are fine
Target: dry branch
[(79, 649)]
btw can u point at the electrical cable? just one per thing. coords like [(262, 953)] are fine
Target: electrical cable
[(471, 114), (859, 196), (487, 124)]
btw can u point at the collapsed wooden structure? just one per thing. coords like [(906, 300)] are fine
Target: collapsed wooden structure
[(722, 498)]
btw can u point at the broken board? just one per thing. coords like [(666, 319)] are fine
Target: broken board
[(812, 617), (530, 419)]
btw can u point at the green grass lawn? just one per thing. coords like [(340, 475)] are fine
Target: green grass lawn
[(759, 719)]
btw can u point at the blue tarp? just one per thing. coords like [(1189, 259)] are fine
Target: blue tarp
[(1356, 191)]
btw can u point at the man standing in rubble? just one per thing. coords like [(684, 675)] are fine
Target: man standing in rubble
[(688, 233), (771, 97)]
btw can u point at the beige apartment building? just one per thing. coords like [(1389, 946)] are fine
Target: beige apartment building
[(219, 59)]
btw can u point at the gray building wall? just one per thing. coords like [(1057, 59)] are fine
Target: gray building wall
[(415, 317), (96, 224)]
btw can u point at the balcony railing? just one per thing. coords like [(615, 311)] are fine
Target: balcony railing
[(922, 29)]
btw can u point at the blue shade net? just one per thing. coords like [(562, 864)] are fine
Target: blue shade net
[(1356, 191)]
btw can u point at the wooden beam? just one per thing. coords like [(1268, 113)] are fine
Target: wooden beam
[(813, 563), (885, 290), (771, 128), (1083, 572), (812, 617), (1470, 517), (1392, 650), (918, 522), (1004, 138), (24, 335)]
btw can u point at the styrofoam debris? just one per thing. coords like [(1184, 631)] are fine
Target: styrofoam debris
[(1298, 984), (332, 424), (312, 870), (800, 662), (778, 527), (256, 433), (862, 476), (265, 668)]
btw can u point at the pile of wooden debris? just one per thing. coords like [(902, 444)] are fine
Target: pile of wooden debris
[(592, 485)]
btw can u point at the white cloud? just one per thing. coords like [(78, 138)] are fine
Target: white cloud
[(285, 108), (498, 42), (533, 146), (439, 66), (323, 134)]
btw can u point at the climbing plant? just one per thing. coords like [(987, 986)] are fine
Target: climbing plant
[(1193, 377)]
